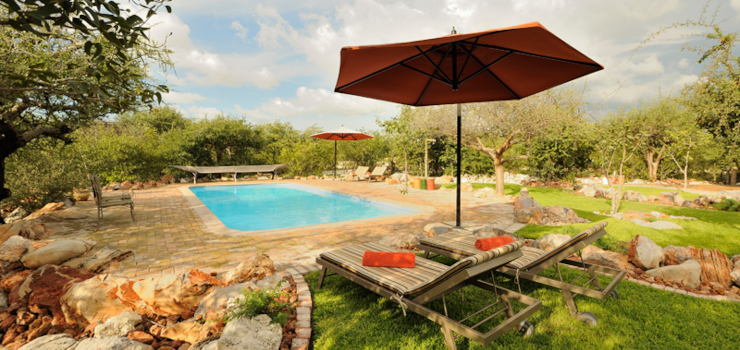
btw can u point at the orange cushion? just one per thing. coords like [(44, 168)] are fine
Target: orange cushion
[(492, 242), (388, 259)]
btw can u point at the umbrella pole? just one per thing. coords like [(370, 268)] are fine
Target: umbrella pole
[(459, 162), (335, 160)]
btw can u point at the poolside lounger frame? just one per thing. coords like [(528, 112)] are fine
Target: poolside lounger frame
[(454, 282), (235, 170), (591, 288)]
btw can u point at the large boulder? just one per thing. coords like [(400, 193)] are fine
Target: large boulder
[(190, 331), (644, 253), (45, 286), (598, 256), (111, 343), (62, 341), (15, 215), (687, 273), (14, 248), (256, 333), (51, 207), (176, 293), (550, 241), (260, 266), (7, 231), (213, 305), (56, 252), (99, 261), (634, 196), (119, 325), (588, 191), (715, 266), (100, 298), (485, 192), (667, 198)]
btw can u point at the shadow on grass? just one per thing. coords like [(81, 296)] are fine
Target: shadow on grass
[(347, 316)]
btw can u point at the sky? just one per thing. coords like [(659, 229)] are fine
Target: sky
[(278, 60)]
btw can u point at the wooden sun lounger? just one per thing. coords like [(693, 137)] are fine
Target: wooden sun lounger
[(259, 169), (124, 198), (360, 174), (460, 245), (377, 173), (412, 288)]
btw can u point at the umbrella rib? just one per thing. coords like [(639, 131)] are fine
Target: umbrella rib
[(540, 56), (475, 43), (427, 74), (485, 69), (423, 92), (436, 66)]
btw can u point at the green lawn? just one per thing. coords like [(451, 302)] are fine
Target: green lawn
[(655, 191), (714, 229), (347, 316)]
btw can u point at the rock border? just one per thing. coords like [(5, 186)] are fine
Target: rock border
[(681, 291), (303, 314)]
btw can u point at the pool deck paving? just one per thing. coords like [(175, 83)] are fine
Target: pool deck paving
[(171, 236)]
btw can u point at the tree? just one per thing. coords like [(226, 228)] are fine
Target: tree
[(57, 73), (654, 118), (224, 140), (493, 128), (686, 136), (276, 136)]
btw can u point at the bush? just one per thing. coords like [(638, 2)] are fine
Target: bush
[(727, 205), (273, 303)]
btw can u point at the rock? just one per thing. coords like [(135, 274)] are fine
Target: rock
[(141, 337), (39, 328), (734, 276), (260, 267), (254, 333), (644, 253), (3, 301), (667, 198), (598, 256), (15, 215), (213, 305), (658, 225), (715, 266), (9, 230), (62, 341), (633, 196), (99, 261), (437, 229), (8, 282), (687, 273), (588, 191), (14, 248), (45, 287), (734, 195), (56, 252), (550, 241), (119, 325), (443, 180), (51, 207), (111, 343), (485, 192), (466, 187), (100, 298), (189, 331), (175, 293)]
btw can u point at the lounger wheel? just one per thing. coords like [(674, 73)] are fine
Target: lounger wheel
[(526, 328), (614, 294), (589, 319)]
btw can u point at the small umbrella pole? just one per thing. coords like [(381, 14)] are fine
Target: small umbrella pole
[(459, 162), (335, 159)]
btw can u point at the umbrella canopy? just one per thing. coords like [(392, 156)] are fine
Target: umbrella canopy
[(500, 64), (341, 134)]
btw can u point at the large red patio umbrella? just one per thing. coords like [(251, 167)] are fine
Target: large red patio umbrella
[(500, 64), (341, 134)]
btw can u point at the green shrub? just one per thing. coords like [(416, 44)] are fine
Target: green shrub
[(727, 205), (273, 303)]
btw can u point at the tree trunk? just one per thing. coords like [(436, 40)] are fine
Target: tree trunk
[(652, 165), (4, 192), (499, 167)]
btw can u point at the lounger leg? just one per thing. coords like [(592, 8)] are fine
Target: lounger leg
[(570, 303), (592, 274), (426, 254), (449, 338), (133, 218), (507, 305), (321, 277)]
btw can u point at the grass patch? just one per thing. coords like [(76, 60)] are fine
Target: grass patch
[(713, 229), (656, 191), (347, 316)]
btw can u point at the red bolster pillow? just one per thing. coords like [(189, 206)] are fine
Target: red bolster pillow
[(492, 242), (388, 259)]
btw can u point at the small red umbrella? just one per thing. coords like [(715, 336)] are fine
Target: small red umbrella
[(341, 134), (500, 64)]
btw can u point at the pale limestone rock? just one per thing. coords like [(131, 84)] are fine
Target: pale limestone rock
[(254, 333), (260, 266), (644, 253), (56, 252), (98, 299), (438, 228), (189, 331), (687, 273), (598, 256), (175, 293), (62, 341), (14, 248), (111, 343), (119, 325), (550, 241)]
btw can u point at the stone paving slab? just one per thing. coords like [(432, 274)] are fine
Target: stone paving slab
[(170, 237)]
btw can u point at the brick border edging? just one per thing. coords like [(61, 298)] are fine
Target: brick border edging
[(303, 314), (681, 291)]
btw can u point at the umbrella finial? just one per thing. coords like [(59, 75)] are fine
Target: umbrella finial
[(453, 31)]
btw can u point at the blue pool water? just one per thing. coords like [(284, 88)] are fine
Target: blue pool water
[(267, 207)]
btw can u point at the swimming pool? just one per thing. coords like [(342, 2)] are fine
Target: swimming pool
[(279, 206)]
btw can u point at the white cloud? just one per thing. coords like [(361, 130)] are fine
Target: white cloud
[(201, 112), (240, 30), (182, 97)]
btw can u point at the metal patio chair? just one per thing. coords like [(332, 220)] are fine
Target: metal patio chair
[(124, 198)]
